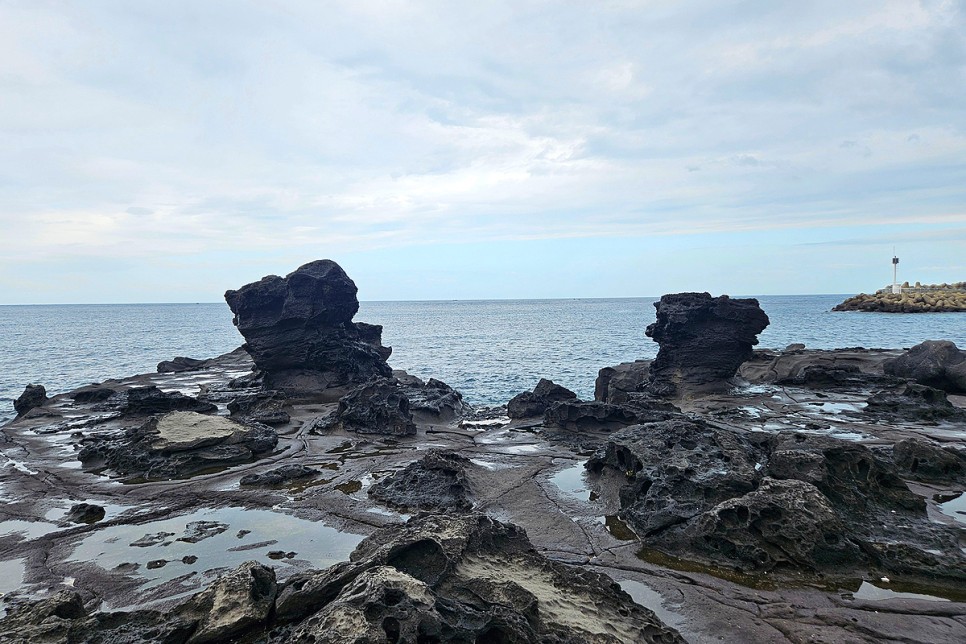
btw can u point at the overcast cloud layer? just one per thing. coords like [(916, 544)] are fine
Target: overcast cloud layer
[(166, 151)]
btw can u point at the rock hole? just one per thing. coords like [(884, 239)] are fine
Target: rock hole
[(391, 627), (393, 596), (493, 635), (423, 560)]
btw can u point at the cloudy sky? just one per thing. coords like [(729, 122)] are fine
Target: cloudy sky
[(166, 151)]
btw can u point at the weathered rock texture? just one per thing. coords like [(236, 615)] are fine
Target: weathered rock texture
[(703, 340), (177, 445), (299, 330), (936, 363), (616, 384), (435, 482), (437, 578), (536, 402), (433, 398), (377, 407), (783, 502), (33, 396)]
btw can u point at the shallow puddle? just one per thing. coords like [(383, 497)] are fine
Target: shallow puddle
[(572, 481), (262, 530), (617, 528), (29, 529), (956, 508), (11, 575), (872, 592), (651, 599)]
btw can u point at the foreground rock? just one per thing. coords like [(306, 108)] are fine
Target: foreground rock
[(177, 445), (935, 363), (703, 341), (778, 503), (820, 368), (299, 330), (437, 578)]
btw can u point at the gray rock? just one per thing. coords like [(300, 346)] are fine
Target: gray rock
[(180, 364), (234, 605), (579, 416), (929, 462), (534, 403), (935, 363), (299, 330), (279, 475), (703, 340), (436, 482), (377, 407), (85, 513), (613, 384), (33, 396), (913, 402)]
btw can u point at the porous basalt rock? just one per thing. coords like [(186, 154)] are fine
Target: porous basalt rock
[(180, 364), (177, 445), (435, 482), (299, 330), (703, 340), (235, 604), (433, 398), (149, 400), (819, 368), (935, 363), (929, 462), (791, 501), (913, 402), (534, 403), (460, 578), (33, 396), (377, 407), (615, 384)]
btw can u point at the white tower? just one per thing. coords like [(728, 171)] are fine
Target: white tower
[(895, 267)]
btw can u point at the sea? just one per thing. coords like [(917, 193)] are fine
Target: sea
[(490, 350)]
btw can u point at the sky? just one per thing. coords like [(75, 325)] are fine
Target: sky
[(169, 151)]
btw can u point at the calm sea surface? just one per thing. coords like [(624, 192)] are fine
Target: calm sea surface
[(489, 350)]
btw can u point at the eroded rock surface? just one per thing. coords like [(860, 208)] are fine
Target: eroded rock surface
[(33, 396), (176, 445), (534, 403), (935, 363), (435, 482), (703, 340), (615, 384), (299, 330)]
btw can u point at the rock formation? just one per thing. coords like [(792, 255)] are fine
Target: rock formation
[(936, 363), (437, 578), (536, 402), (618, 383), (33, 396), (299, 330), (703, 340), (435, 482), (177, 445)]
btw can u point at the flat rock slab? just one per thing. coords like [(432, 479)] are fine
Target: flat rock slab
[(181, 431)]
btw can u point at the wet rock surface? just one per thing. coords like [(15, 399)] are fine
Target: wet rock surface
[(433, 398), (299, 330), (703, 340), (378, 407)]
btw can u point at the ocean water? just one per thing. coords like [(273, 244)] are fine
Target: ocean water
[(489, 350)]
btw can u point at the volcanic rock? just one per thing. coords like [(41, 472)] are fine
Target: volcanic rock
[(929, 462), (935, 363), (614, 384), (177, 445), (299, 330), (580, 416), (85, 513), (433, 398), (233, 605), (148, 400), (819, 368), (377, 407), (913, 402), (435, 482), (94, 394), (180, 364), (703, 340), (464, 578), (33, 396), (536, 402), (279, 475)]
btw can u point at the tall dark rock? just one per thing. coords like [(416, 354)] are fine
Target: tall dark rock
[(703, 340), (299, 330)]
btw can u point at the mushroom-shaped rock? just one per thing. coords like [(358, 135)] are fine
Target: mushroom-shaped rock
[(299, 330), (703, 340)]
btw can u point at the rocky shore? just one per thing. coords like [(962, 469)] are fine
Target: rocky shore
[(300, 490)]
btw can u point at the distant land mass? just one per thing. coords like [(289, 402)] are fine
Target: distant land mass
[(921, 298)]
